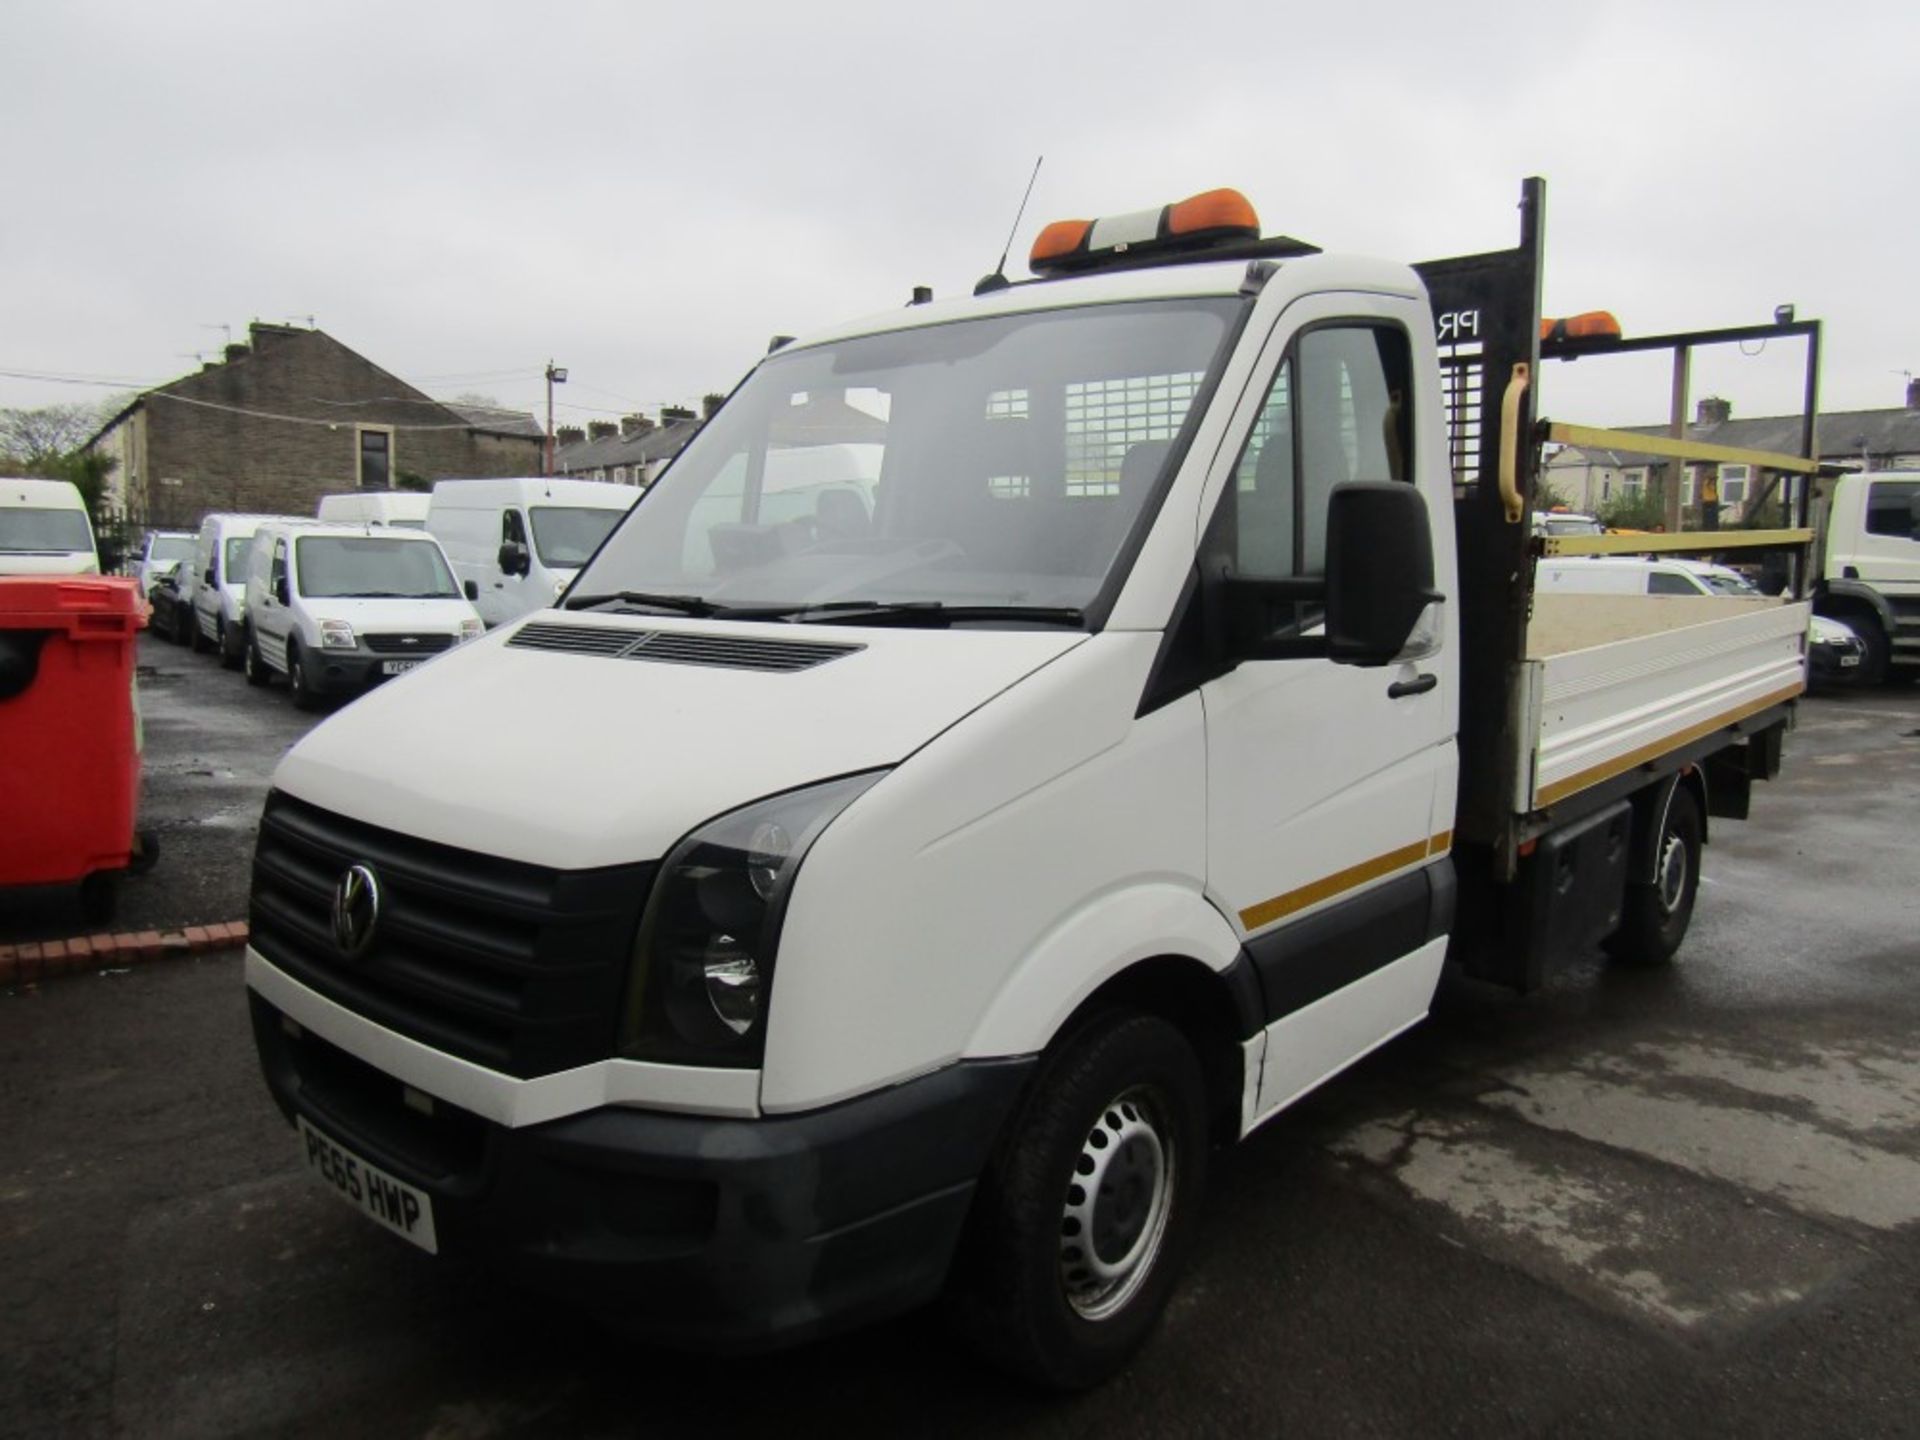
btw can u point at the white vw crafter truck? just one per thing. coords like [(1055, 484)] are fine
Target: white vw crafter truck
[(821, 912)]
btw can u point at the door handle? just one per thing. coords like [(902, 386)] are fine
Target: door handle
[(1419, 685)]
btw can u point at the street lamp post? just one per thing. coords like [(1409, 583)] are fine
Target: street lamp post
[(556, 375)]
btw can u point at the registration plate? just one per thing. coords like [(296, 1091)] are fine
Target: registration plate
[(396, 667), (370, 1190), (1846, 660)]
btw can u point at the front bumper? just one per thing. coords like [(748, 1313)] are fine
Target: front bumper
[(348, 672), (1831, 663), (719, 1234)]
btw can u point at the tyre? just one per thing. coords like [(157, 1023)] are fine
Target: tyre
[(1654, 918), (1083, 1216), (196, 637), (299, 690), (1874, 644), (232, 645), (254, 664)]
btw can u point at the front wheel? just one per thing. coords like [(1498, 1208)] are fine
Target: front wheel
[(254, 664), (1084, 1214), (298, 688), (1654, 918), (232, 645)]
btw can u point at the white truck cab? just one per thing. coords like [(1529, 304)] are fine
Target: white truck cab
[(337, 609), (902, 892), (163, 552), (517, 543), (44, 529), (1870, 568)]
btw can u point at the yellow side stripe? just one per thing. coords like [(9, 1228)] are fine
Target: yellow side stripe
[(1619, 765), (1268, 911)]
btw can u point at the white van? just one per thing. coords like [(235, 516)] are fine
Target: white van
[(516, 544), (44, 529), (337, 609), (219, 582), (401, 509), (1635, 575)]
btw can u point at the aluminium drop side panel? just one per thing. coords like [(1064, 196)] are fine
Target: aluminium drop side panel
[(1606, 709)]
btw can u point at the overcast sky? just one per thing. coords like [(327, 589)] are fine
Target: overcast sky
[(646, 193)]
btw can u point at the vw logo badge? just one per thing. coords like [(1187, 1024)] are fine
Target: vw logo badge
[(356, 910)]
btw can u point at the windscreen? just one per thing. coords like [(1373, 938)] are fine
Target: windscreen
[(982, 464), (235, 572), (566, 536), (1729, 584), (371, 567), (171, 547), (30, 530)]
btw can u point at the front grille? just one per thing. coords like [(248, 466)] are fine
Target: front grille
[(516, 967), (407, 644), (678, 647)]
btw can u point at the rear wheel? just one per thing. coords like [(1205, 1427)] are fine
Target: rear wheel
[(1654, 917), (196, 637), (1877, 651), (1084, 1214)]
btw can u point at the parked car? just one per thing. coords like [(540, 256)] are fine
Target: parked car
[(172, 616), (1835, 654), (337, 609), (516, 544), (160, 553), (44, 529), (1637, 575)]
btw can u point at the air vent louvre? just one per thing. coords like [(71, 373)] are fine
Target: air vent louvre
[(729, 652)]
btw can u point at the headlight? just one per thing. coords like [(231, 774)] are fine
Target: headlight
[(336, 635), (703, 959), (472, 628)]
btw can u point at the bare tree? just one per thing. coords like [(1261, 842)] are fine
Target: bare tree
[(36, 437)]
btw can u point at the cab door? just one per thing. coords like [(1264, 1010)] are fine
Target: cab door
[(1324, 779), (272, 619)]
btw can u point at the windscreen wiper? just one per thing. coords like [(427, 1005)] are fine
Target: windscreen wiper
[(926, 613), (673, 604)]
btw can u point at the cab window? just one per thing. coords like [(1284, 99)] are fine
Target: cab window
[(1665, 582)]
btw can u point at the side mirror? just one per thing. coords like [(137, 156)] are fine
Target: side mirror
[(472, 589), (1379, 570), (514, 559), (207, 579)]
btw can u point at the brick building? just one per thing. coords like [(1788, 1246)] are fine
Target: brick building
[(286, 418)]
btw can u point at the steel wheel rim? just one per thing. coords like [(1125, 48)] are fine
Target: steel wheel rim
[(1673, 872), (1114, 1219)]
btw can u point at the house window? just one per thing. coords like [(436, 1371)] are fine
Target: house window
[(376, 459), (1733, 484), (619, 474)]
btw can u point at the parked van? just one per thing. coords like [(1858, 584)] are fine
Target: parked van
[(1636, 575), (336, 609), (516, 544), (402, 509), (219, 591), (44, 529)]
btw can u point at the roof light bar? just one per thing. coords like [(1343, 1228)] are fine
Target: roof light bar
[(1211, 217), (1588, 325)]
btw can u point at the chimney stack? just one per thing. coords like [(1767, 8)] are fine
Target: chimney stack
[(634, 425), (569, 435), (709, 404), (671, 413), (1913, 394), (1712, 410), (237, 351), (601, 429)]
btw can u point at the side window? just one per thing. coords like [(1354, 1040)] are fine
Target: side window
[(1663, 582), (278, 572), (513, 528), (1338, 409), (1893, 508)]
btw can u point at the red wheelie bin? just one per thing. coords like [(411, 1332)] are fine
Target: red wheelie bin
[(69, 732)]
